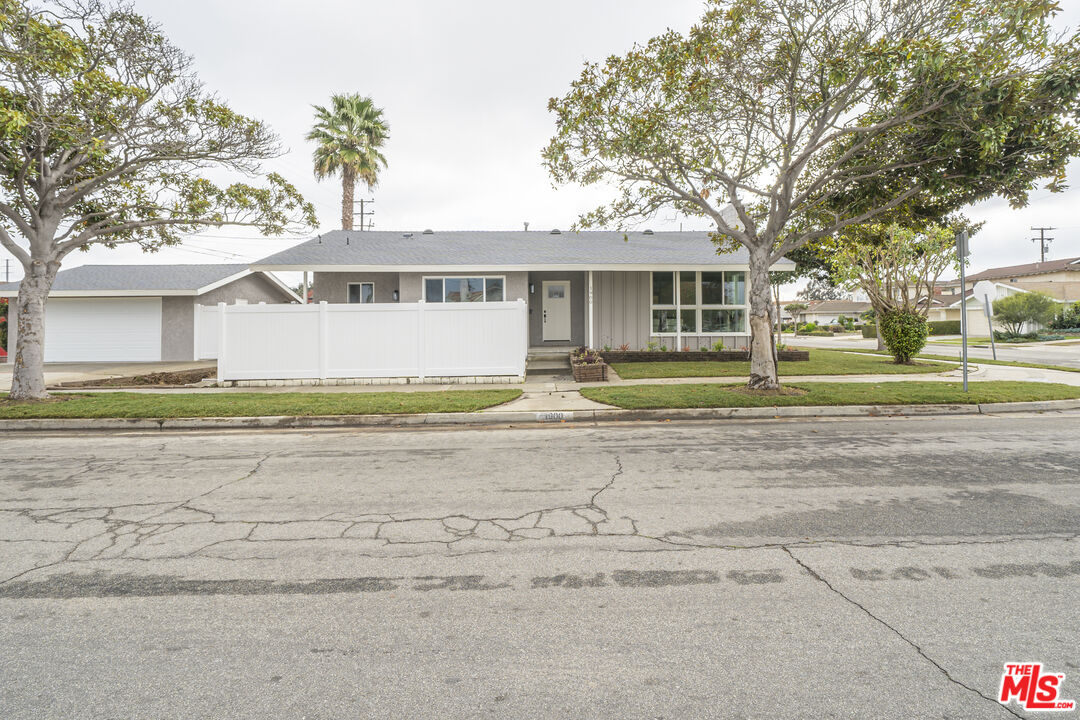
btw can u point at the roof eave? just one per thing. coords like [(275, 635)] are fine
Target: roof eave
[(559, 267)]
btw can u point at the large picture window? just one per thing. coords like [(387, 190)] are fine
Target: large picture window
[(464, 289), (710, 302)]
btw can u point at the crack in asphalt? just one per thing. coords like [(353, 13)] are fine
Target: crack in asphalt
[(915, 646)]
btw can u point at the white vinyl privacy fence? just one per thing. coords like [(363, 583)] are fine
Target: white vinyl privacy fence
[(413, 340)]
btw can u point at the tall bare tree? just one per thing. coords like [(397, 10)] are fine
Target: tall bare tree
[(785, 121), (106, 137)]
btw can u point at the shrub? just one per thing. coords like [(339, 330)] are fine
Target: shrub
[(904, 334), (1068, 318), (808, 327), (1026, 307), (624, 347), (819, 333), (837, 328), (718, 346), (944, 327), (869, 331)]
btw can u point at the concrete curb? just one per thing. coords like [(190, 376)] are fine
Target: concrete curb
[(504, 417)]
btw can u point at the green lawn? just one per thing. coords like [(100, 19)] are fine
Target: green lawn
[(636, 397), (984, 361), (821, 362), (177, 405)]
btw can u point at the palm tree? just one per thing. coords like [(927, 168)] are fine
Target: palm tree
[(349, 134)]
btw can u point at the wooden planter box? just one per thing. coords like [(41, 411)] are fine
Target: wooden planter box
[(589, 373), (615, 356)]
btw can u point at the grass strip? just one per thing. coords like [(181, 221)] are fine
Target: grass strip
[(183, 405), (709, 395), (821, 362)]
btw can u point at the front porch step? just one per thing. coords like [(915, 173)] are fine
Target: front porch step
[(552, 363), (545, 353)]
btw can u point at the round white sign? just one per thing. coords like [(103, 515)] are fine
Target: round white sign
[(986, 291)]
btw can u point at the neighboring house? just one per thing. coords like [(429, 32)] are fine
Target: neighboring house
[(127, 313), (949, 306), (828, 312), (589, 288), (1059, 279)]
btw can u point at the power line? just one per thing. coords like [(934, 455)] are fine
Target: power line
[(1044, 242)]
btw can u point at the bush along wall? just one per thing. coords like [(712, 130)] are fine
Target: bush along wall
[(944, 327), (869, 331)]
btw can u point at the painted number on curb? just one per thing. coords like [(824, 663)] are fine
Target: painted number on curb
[(555, 416)]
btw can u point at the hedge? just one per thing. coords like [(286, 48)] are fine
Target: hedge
[(944, 327), (869, 331), (818, 333)]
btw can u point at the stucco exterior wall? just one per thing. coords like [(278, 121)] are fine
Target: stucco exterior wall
[(333, 287), (178, 328)]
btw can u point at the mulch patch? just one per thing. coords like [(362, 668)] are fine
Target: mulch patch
[(155, 379)]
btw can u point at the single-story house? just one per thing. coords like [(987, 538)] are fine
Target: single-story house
[(828, 312), (1059, 278), (139, 313), (592, 288), (949, 306)]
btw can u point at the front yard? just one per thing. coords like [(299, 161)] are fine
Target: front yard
[(181, 405), (638, 397), (821, 362)]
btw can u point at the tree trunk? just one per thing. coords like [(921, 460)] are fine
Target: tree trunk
[(28, 378), (348, 183), (763, 372)]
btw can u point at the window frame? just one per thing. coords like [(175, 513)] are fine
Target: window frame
[(443, 278), (348, 292), (678, 308)]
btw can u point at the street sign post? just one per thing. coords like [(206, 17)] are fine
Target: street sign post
[(961, 254), (985, 289)]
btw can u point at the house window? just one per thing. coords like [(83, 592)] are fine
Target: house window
[(464, 289), (363, 292), (709, 303)]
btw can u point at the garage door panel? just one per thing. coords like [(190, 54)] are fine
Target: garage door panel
[(103, 330)]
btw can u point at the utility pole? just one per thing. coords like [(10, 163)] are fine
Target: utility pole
[(1044, 242), (364, 213), (962, 252)]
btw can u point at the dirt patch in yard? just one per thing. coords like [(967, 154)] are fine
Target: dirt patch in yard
[(783, 391), (181, 378)]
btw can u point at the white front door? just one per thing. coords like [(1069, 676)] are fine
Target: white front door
[(556, 309)]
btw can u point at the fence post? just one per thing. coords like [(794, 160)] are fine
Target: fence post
[(524, 317), (421, 349), (196, 328), (221, 343), (323, 339)]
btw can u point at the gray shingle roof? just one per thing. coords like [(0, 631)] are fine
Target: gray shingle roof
[(372, 249), (149, 278)]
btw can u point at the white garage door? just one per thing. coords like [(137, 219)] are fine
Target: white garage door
[(103, 330)]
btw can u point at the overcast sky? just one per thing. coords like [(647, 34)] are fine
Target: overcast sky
[(465, 87)]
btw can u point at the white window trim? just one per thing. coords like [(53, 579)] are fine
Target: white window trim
[(425, 278), (698, 306), (362, 283)]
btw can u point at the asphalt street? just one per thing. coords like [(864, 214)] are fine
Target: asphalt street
[(882, 568)]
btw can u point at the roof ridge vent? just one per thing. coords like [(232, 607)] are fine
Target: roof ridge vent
[(429, 231), (648, 232), (556, 231), (406, 235)]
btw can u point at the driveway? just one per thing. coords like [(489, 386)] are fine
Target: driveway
[(79, 372), (881, 568)]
